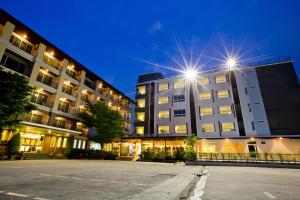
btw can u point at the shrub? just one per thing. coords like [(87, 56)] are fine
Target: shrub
[(190, 155), (179, 154), (147, 155), (91, 154)]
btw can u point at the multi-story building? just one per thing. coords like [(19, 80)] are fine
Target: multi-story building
[(231, 111), (62, 88)]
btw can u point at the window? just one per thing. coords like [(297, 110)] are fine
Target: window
[(141, 103), (249, 107), (39, 98), (225, 110), (208, 127), (63, 106), (64, 145), (228, 126), (163, 114), (83, 144), (179, 84), (246, 91), (205, 111), (139, 130), (203, 81), (223, 94), (79, 144), (181, 128), (163, 129), (53, 142), (59, 142), (163, 86), (142, 89), (140, 116), (253, 125), (204, 95), (220, 79), (75, 144), (67, 89), (179, 113), (178, 98), (163, 100)]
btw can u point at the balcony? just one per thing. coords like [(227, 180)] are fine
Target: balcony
[(85, 98), (69, 90), (33, 118), (72, 74), (52, 62), (66, 109), (21, 44), (41, 101), (47, 80), (90, 84)]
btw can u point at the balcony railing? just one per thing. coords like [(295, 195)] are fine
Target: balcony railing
[(47, 81), (33, 118), (72, 74), (69, 91), (52, 62), (42, 102), (66, 109), (90, 84), (20, 44), (85, 99)]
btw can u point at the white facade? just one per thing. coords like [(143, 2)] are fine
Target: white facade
[(215, 112)]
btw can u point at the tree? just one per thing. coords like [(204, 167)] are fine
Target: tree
[(106, 122), (14, 98), (190, 142)]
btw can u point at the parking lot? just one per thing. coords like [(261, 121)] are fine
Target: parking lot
[(88, 179)]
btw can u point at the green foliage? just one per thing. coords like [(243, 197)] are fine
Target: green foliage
[(190, 155), (190, 141), (91, 154), (179, 154), (14, 144), (107, 122), (14, 90)]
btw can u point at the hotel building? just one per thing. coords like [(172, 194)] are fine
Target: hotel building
[(249, 109), (62, 88)]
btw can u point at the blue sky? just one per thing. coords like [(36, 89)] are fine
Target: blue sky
[(108, 36)]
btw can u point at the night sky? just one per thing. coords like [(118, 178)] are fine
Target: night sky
[(109, 36)]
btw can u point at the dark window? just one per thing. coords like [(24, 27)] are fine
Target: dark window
[(253, 125), (249, 107), (43, 78), (246, 91), (179, 113), (63, 106), (39, 98), (178, 98)]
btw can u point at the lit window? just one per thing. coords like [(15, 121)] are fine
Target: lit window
[(181, 128), (228, 126), (79, 144), (204, 95), (220, 79), (53, 142), (179, 113), (142, 89), (140, 116), (141, 103), (203, 81), (163, 114), (208, 127), (179, 84), (64, 145), (83, 144), (205, 111), (58, 143), (178, 98), (225, 110), (163, 86), (163, 129), (163, 100), (139, 130), (223, 94), (75, 144)]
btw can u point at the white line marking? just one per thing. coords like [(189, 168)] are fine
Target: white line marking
[(17, 167), (77, 178), (16, 194), (61, 176), (200, 186), (39, 198), (45, 175), (271, 196)]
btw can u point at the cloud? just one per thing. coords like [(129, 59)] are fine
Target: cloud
[(156, 26)]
